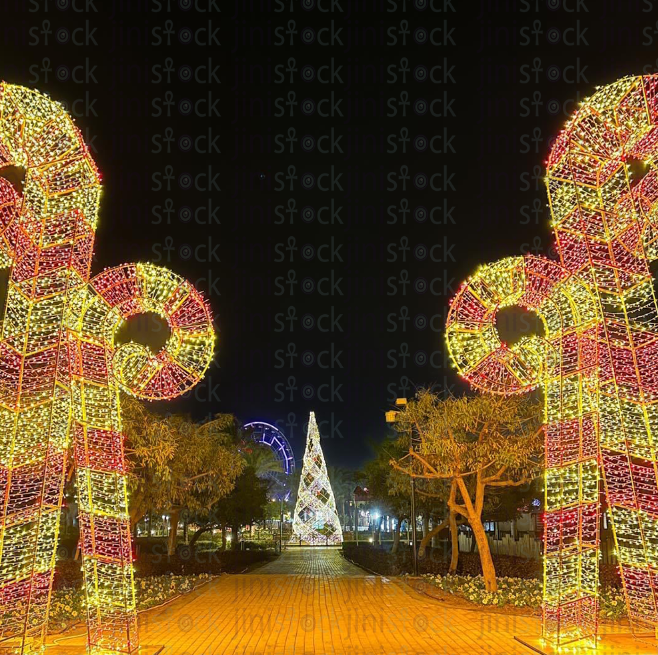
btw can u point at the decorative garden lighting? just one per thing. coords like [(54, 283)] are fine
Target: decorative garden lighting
[(316, 519), (596, 362), (61, 373)]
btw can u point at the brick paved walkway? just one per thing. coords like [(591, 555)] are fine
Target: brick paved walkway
[(316, 561), (313, 602)]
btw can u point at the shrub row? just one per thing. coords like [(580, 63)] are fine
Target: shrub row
[(436, 562), (519, 592), (68, 605), (187, 562), (68, 573)]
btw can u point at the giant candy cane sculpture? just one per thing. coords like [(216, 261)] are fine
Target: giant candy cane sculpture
[(61, 373), (597, 361)]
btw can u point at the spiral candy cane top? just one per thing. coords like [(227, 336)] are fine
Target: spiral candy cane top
[(596, 362), (61, 373)]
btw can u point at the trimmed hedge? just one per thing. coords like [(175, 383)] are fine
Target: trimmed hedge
[(187, 562), (437, 561), (68, 574)]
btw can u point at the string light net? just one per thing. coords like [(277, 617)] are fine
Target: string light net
[(316, 520), (596, 360), (60, 373), (100, 370)]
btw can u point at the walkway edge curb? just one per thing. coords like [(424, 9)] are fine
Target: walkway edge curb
[(365, 568)]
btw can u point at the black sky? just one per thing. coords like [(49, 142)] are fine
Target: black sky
[(510, 74)]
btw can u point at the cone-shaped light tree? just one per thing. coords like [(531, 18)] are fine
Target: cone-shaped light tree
[(316, 519)]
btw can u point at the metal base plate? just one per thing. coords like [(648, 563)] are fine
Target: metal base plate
[(610, 644)]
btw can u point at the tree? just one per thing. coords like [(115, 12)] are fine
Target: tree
[(315, 519), (431, 500), (343, 481), (246, 503), (260, 458), (150, 447), (478, 445), (387, 487), (207, 471), (176, 464)]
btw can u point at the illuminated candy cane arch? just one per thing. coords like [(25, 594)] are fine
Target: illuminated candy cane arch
[(597, 361), (61, 374)]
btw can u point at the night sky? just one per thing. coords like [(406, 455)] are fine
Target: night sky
[(325, 299)]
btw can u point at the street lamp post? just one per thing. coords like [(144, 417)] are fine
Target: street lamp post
[(281, 528), (281, 499), (413, 524), (391, 417)]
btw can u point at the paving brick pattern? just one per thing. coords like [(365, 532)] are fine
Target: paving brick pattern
[(317, 561), (313, 602)]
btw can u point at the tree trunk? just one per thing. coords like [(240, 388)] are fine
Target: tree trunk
[(235, 542), (198, 533), (433, 541), (428, 536), (488, 570), (396, 537), (454, 542), (426, 524), (472, 511), (137, 512), (173, 531), (223, 537)]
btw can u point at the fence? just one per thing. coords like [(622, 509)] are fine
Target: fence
[(526, 546), (530, 547)]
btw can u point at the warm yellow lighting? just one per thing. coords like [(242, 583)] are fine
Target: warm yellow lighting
[(596, 362), (61, 372), (316, 519)]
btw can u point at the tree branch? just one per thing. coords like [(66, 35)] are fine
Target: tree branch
[(427, 494), (510, 483), (467, 509), (496, 476), (424, 476)]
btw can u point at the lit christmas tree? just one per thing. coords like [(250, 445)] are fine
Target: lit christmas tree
[(316, 519)]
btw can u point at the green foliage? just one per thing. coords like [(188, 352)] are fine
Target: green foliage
[(293, 482), (176, 463), (68, 605), (519, 592), (511, 591), (343, 482), (260, 458), (245, 504), (191, 562), (387, 487), (497, 435), (385, 562)]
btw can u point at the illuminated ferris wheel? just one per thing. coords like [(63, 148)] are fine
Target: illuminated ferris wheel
[(273, 438)]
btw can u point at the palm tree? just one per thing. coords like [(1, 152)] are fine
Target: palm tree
[(342, 482), (292, 484), (260, 458)]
